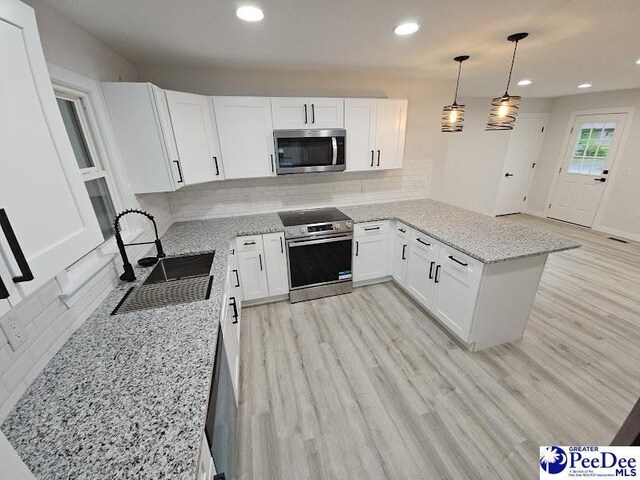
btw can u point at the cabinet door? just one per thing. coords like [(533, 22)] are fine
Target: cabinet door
[(360, 123), (391, 118), (174, 169), (400, 257), (253, 275), (276, 262), (231, 332), (370, 257), (420, 276), (41, 189), (325, 112), (206, 469), (455, 300), (196, 137), (290, 113), (246, 136)]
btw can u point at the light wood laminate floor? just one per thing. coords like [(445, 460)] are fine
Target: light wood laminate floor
[(366, 385)]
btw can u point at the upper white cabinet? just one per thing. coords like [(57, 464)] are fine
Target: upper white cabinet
[(375, 133), (44, 202), (293, 113), (276, 261), (196, 137), (246, 136)]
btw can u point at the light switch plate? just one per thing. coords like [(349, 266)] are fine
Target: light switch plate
[(13, 330)]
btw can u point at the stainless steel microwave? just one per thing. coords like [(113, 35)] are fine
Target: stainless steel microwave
[(300, 151)]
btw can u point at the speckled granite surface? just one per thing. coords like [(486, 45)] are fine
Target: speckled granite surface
[(126, 396), (484, 238)]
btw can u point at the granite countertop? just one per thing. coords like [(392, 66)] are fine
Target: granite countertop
[(487, 239), (126, 395)]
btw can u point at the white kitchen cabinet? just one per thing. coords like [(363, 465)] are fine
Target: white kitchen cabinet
[(400, 253), (276, 263), (245, 132), (455, 298), (253, 274), (41, 189), (293, 113), (231, 324), (196, 137), (206, 468), (420, 275), (371, 251), (375, 133)]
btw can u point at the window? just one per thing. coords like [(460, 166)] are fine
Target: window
[(76, 122), (592, 148)]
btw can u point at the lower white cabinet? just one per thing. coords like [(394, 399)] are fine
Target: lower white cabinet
[(455, 298), (206, 469), (371, 251), (400, 253), (276, 262), (420, 275), (253, 274)]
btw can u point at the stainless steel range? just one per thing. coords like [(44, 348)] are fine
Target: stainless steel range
[(319, 245)]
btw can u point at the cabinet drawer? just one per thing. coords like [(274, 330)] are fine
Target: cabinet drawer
[(460, 261), (371, 228), (249, 243), (402, 230), (424, 242)]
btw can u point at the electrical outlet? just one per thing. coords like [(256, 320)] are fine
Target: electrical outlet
[(13, 330)]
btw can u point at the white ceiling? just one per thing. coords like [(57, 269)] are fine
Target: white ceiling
[(571, 41)]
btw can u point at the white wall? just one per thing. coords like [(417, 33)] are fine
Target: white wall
[(424, 150), (621, 208), (475, 157)]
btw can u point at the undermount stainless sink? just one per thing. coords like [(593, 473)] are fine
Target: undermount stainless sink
[(172, 281)]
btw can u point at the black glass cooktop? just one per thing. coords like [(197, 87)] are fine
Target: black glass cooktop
[(310, 217)]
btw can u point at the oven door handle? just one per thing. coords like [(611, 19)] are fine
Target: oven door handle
[(337, 238), (334, 146)]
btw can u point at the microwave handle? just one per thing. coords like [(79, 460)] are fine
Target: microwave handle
[(334, 145)]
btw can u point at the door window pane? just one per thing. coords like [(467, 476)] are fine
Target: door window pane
[(102, 205), (592, 149), (74, 130)]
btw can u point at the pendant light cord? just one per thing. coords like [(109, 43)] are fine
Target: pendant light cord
[(455, 97), (513, 59)]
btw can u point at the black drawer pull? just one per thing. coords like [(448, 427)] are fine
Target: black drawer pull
[(402, 230), (260, 257), (14, 245), (367, 229), (423, 242), (437, 279), (305, 113), (378, 159), (215, 159), (451, 257), (4, 293), (250, 243), (181, 180), (357, 245), (372, 158), (237, 278), (232, 302), (431, 270), (281, 247), (404, 247)]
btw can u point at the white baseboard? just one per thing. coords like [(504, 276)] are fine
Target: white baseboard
[(618, 233), (535, 213)]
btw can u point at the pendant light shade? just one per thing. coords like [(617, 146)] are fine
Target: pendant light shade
[(504, 109), (453, 115)]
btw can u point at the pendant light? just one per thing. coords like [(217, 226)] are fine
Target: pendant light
[(453, 115), (504, 109)]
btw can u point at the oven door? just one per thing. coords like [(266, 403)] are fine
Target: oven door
[(322, 261), (299, 151)]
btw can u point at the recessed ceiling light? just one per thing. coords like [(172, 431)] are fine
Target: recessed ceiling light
[(638, 61), (249, 14), (585, 85), (525, 82), (406, 28)]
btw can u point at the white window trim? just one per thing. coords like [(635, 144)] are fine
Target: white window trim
[(77, 275)]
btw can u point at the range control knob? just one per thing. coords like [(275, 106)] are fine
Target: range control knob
[(336, 226), (290, 231), (349, 223), (303, 229)]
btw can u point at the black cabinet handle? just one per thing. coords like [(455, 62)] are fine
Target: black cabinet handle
[(508, 174), (371, 228), (600, 179), (404, 247), (372, 158), (357, 248), (233, 303), (260, 257), (237, 278), (281, 247), (272, 169), (451, 257), (305, 113), (215, 159), (4, 293), (402, 230), (423, 242), (14, 245), (249, 243), (313, 113), (181, 180), (431, 270), (378, 159), (437, 276)]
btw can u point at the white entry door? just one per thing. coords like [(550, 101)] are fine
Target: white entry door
[(592, 147), (522, 153)]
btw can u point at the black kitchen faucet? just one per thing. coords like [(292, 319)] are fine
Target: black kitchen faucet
[(129, 275)]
